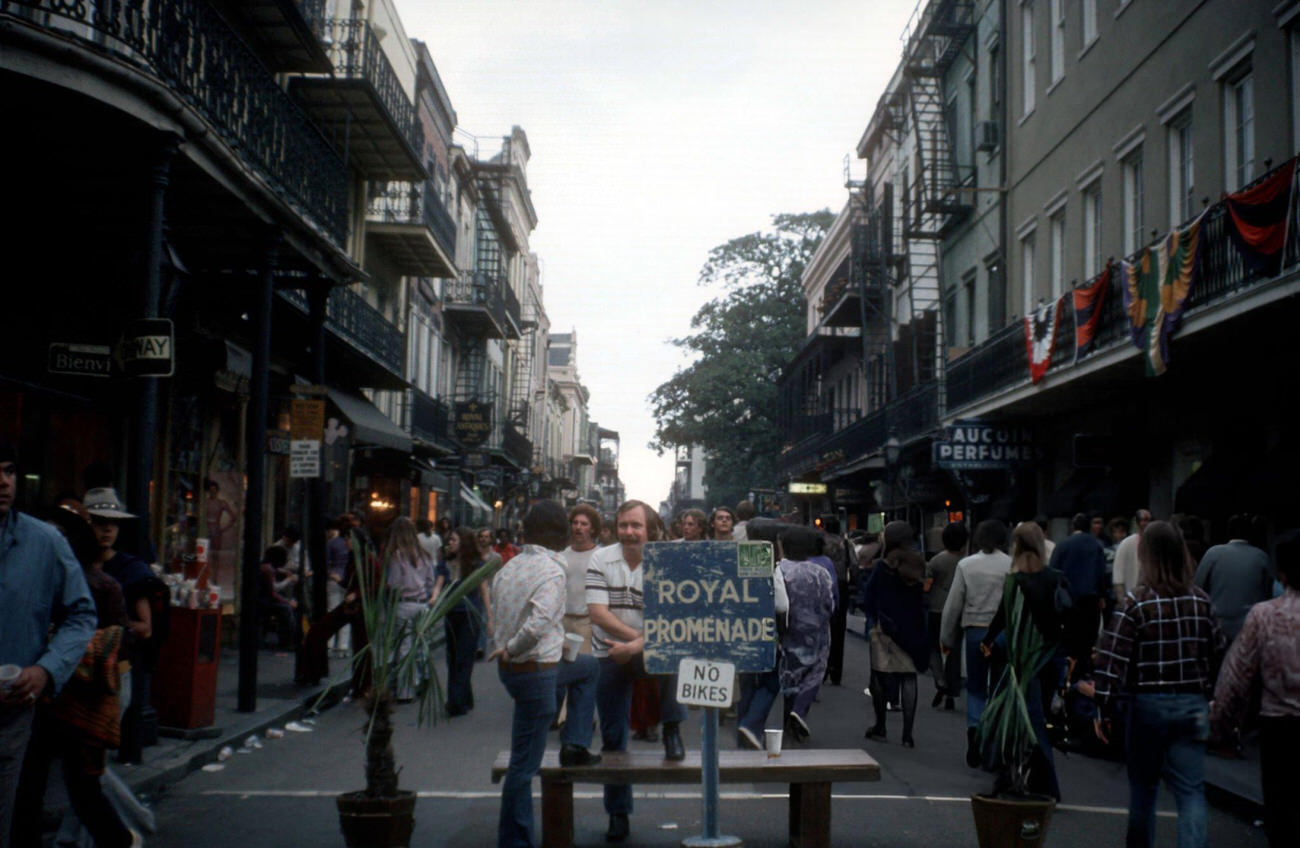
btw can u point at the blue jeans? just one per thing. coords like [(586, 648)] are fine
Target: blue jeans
[(579, 679), (614, 701), (757, 694), (534, 696), (977, 676), (1166, 738)]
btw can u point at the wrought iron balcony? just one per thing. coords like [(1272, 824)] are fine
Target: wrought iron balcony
[(287, 33), (362, 104), (514, 322), (430, 420), (196, 54), (516, 446), (360, 325), (1000, 363), (412, 228), (476, 302)]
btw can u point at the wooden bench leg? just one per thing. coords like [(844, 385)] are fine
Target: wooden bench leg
[(557, 814), (810, 815)]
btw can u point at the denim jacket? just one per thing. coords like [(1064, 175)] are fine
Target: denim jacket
[(42, 585)]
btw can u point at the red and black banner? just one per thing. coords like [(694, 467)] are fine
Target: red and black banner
[(1257, 219), (1088, 302)]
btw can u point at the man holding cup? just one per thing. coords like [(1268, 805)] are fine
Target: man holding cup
[(528, 596), (46, 620)]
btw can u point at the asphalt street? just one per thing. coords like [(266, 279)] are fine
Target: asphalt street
[(283, 794)]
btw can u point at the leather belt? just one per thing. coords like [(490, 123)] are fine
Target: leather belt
[(525, 667), (576, 615)]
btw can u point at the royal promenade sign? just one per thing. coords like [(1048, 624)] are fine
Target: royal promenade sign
[(709, 601), (973, 445)]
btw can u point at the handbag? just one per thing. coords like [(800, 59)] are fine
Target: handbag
[(88, 703)]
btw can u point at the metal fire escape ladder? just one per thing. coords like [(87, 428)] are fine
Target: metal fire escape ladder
[(521, 374), (933, 202)]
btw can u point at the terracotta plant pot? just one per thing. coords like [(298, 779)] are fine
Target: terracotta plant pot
[(1011, 822), (377, 822)]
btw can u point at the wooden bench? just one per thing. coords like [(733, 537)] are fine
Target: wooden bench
[(808, 771)]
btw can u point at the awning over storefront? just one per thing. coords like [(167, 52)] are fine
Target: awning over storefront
[(370, 427), (474, 500)]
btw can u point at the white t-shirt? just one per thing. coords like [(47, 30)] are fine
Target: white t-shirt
[(1126, 568), (611, 582), (576, 564), (432, 545)]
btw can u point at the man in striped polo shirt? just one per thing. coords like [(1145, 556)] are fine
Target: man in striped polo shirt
[(614, 603)]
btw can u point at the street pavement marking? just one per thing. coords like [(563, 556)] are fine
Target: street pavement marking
[(479, 795)]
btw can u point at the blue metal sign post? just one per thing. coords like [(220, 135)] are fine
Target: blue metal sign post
[(713, 602)]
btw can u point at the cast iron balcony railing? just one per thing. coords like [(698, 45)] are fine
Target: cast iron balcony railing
[(365, 328), (348, 316), (187, 46), (357, 54), (475, 300), (513, 311), (431, 419), (516, 446), (1001, 363), (397, 202)]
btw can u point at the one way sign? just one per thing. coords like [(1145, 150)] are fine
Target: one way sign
[(147, 348)]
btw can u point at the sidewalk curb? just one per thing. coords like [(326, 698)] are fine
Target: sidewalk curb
[(152, 779)]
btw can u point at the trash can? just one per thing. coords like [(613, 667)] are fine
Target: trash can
[(185, 685)]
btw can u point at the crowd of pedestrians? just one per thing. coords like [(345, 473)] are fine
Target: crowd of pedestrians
[(1143, 642), (1126, 635)]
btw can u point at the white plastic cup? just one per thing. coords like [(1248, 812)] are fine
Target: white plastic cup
[(572, 646), (772, 738), (8, 674)]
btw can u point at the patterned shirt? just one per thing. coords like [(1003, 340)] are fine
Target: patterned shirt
[(1268, 647), (1158, 645), (528, 606), (610, 581)]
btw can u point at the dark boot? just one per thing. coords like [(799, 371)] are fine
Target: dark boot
[(618, 828), (576, 755), (673, 748)]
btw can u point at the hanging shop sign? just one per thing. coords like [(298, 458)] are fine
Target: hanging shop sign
[(473, 422), (709, 601), (798, 488), (981, 445), (82, 360), (147, 348)]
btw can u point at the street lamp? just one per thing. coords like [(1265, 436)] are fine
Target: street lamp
[(893, 449)]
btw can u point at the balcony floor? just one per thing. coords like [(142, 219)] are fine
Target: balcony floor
[(410, 249), (353, 117)]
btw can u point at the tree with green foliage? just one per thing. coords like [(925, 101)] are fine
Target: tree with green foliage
[(726, 399)]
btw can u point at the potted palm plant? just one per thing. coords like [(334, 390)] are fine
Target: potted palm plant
[(1013, 815), (382, 815)]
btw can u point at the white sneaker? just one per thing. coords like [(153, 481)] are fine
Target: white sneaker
[(749, 738), (800, 726)]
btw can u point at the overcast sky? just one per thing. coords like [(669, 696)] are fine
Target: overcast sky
[(659, 129)]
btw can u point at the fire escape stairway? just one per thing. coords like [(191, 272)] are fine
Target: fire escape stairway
[(521, 376)]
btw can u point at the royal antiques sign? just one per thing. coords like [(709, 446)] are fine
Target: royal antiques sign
[(473, 422), (974, 445), (709, 601)]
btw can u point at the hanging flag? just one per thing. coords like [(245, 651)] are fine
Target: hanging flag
[(1258, 219), (1040, 337), (1088, 302), (1155, 290)]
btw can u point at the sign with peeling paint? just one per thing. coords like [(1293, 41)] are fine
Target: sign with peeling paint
[(708, 601)]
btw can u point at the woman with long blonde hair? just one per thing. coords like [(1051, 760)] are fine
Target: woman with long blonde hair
[(408, 570)]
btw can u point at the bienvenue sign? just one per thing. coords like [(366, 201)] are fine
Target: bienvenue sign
[(709, 601)]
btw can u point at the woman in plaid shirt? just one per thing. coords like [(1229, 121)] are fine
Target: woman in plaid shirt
[(1161, 649)]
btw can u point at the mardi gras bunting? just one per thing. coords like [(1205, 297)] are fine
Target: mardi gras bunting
[(1088, 303), (1257, 219), (1155, 289), (1041, 326)]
